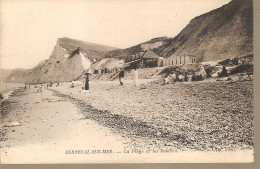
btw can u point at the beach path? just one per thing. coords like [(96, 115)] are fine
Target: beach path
[(52, 130)]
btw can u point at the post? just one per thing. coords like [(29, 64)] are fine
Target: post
[(41, 94), (87, 82), (142, 63)]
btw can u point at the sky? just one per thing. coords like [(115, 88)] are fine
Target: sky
[(29, 29)]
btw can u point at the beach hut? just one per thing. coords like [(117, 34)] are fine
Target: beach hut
[(98, 67), (179, 60), (107, 65), (149, 59), (145, 59), (114, 65)]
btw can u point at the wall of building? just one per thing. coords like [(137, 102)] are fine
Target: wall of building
[(178, 60), (145, 59)]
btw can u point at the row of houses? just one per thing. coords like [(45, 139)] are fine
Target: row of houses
[(144, 59), (151, 59), (179, 60)]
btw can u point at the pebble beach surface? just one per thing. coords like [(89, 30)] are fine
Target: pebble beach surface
[(205, 115), (184, 117)]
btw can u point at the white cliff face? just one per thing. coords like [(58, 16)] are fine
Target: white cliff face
[(62, 66), (58, 52), (67, 62), (85, 61)]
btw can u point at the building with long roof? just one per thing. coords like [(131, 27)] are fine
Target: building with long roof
[(144, 59), (179, 60)]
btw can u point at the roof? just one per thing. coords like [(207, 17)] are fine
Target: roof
[(100, 64), (173, 56), (114, 63), (191, 55), (149, 54), (108, 63)]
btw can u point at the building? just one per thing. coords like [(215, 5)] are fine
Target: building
[(114, 65), (144, 59), (107, 65), (179, 60), (246, 60)]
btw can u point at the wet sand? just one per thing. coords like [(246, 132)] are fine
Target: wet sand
[(48, 127)]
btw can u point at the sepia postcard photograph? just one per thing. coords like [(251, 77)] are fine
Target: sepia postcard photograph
[(126, 81)]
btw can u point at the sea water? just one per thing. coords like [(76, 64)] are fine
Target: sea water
[(7, 88)]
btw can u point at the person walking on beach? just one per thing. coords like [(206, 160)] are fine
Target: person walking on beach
[(136, 77), (87, 82), (121, 76)]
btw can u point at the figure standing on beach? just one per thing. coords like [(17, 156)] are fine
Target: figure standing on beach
[(136, 77), (121, 76), (87, 82)]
